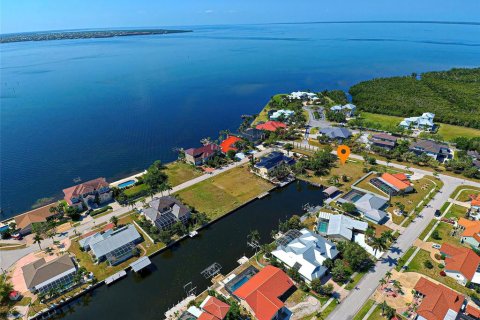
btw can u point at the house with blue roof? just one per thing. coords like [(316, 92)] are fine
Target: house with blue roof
[(424, 122), (271, 161)]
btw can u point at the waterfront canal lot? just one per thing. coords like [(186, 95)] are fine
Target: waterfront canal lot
[(223, 242)]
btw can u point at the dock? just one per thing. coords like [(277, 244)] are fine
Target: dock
[(263, 195), (193, 234), (141, 263), (115, 277)]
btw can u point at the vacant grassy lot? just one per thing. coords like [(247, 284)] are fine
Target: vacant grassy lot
[(417, 266), (465, 192), (382, 118), (450, 132), (178, 172), (225, 192)]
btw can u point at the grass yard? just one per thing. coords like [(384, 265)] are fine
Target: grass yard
[(382, 118), (456, 212), (465, 191), (450, 132), (178, 172), (417, 266), (355, 280), (223, 193), (363, 311), (404, 258), (427, 229), (133, 191), (444, 231)]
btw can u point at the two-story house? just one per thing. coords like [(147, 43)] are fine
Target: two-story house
[(165, 211), (88, 193)]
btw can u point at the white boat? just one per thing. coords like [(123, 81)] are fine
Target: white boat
[(193, 234)]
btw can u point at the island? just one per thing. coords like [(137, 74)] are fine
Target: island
[(86, 34)]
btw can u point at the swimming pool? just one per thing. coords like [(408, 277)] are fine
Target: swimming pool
[(126, 184), (239, 283), (323, 226)]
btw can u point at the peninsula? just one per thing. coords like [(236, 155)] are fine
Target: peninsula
[(69, 35)]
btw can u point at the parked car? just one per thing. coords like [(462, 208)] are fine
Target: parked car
[(17, 236), (437, 213), (436, 246)]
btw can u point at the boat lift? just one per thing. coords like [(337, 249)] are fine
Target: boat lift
[(211, 271)]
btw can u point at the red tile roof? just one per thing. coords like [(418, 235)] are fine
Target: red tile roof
[(207, 316), (472, 228), (216, 307), (37, 215), (84, 187), (462, 260), (438, 300), (261, 292), (472, 311), (398, 180), (475, 200), (271, 126), (228, 143)]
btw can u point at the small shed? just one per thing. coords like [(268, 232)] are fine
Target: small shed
[(330, 191)]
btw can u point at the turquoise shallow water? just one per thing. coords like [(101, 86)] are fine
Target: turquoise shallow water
[(110, 107)]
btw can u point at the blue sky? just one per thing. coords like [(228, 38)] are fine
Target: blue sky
[(36, 15)]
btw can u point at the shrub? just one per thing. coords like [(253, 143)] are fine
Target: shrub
[(441, 266), (428, 264), (442, 273), (436, 235)]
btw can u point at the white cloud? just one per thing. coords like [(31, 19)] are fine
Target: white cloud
[(208, 11)]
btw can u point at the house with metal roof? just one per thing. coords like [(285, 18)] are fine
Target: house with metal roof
[(117, 246), (41, 276), (348, 109), (272, 160), (302, 95), (281, 114), (342, 227), (423, 122), (336, 133), (372, 207), (165, 211), (306, 253)]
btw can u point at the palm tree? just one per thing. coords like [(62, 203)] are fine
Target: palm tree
[(397, 285), (382, 282), (38, 239), (378, 244), (114, 220), (388, 275), (384, 306), (388, 235), (370, 233)]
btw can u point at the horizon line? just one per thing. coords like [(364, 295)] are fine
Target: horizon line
[(476, 23)]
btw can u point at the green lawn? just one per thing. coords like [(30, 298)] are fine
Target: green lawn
[(355, 280), (363, 311), (456, 212), (404, 258), (427, 229), (178, 172), (133, 191), (225, 192), (417, 266), (465, 192), (382, 118), (444, 231), (450, 132)]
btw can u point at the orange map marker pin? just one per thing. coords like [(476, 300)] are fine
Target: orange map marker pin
[(343, 153)]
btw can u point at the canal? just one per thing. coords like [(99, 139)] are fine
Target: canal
[(151, 295)]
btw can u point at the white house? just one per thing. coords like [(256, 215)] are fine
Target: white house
[(461, 264), (281, 114), (349, 109), (424, 122), (302, 95), (306, 252)]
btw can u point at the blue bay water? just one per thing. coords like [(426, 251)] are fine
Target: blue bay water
[(110, 107)]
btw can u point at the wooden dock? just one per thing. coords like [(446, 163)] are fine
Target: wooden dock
[(115, 277)]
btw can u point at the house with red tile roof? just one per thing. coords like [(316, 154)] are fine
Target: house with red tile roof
[(393, 183), (461, 264), (439, 302), (271, 126), (229, 144), (207, 316), (25, 221), (198, 156), (86, 193), (215, 307), (472, 311), (264, 293), (470, 231), (475, 204)]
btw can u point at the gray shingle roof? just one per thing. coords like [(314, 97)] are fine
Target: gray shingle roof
[(335, 133), (40, 271), (165, 204), (116, 240), (372, 206)]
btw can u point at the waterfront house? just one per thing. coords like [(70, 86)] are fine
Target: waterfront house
[(165, 211), (372, 207), (229, 144), (264, 294), (475, 158), (383, 140), (470, 232), (212, 306), (438, 301), (41, 276), (89, 193), (271, 161), (253, 135), (198, 156), (25, 221), (305, 251), (116, 246), (342, 227), (438, 151), (423, 122), (302, 95), (461, 264), (281, 114), (336, 134), (348, 109), (271, 126), (393, 184), (331, 191)]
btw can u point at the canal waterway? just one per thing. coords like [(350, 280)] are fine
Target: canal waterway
[(150, 296)]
